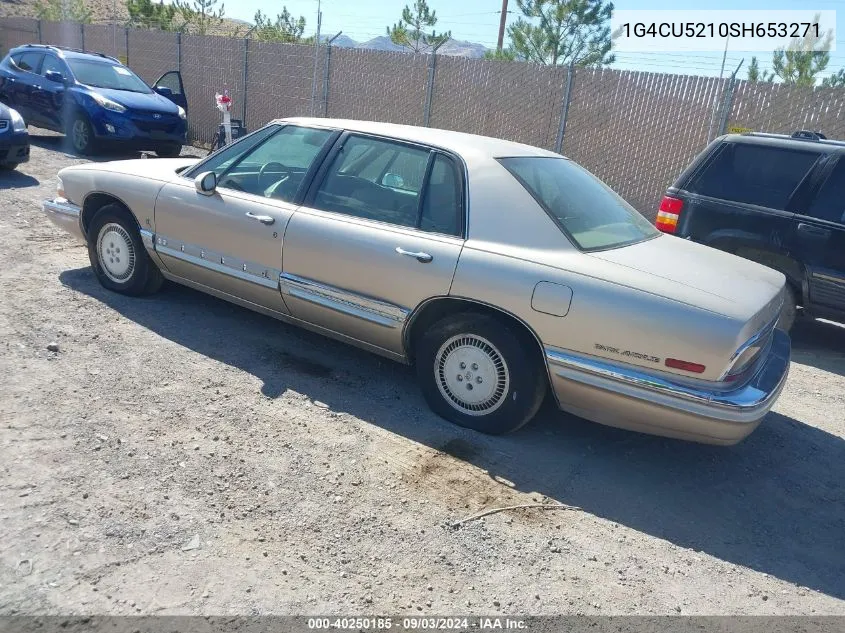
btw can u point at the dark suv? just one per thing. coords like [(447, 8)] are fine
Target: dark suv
[(778, 200), (94, 99)]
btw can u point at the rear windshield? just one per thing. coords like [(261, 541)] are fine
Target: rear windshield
[(593, 215), (105, 75)]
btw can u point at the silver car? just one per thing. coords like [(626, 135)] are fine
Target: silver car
[(499, 270)]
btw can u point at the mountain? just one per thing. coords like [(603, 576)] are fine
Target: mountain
[(457, 48)]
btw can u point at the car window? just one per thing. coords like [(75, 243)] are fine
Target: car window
[(755, 174), (223, 158), (589, 212), (106, 75), (830, 201), (375, 179), (28, 61), (442, 210), (170, 80), (276, 166), (54, 64)]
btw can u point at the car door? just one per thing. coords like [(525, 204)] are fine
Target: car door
[(820, 238), (21, 92), (379, 233), (174, 89), (232, 240), (48, 95)]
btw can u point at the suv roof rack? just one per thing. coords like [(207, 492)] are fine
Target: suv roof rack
[(70, 50), (800, 135)]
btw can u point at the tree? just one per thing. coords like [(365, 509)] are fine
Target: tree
[(408, 32), (151, 15), (504, 55), (285, 29), (565, 31), (63, 10), (202, 16), (756, 75), (836, 80), (803, 59)]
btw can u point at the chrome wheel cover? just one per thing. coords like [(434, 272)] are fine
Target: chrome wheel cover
[(116, 252), (471, 374), (80, 134)]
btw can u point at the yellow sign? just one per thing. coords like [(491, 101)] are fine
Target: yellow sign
[(735, 129)]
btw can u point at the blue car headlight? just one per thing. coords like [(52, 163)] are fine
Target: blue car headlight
[(107, 103), (18, 124), (182, 114)]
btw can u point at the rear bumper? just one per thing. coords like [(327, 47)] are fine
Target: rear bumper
[(625, 397), (64, 214)]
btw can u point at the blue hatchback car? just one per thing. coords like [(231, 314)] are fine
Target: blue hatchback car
[(94, 99)]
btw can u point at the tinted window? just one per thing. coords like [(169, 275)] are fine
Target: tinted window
[(441, 209), (28, 61), (54, 64), (105, 75), (755, 174), (590, 212), (221, 160), (375, 179), (171, 80), (276, 167), (830, 201)]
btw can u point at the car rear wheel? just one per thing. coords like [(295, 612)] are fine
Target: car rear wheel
[(81, 135), (118, 256), (170, 150), (479, 373)]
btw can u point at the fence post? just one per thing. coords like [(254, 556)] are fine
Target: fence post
[(727, 105), (564, 110), (179, 51), (429, 87), (82, 32), (38, 26), (126, 31), (246, 83)]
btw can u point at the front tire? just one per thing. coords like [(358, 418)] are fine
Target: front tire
[(789, 310), (480, 373), (118, 256), (81, 135), (171, 150)]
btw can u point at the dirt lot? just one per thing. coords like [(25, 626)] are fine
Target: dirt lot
[(182, 455)]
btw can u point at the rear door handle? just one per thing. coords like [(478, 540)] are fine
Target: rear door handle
[(421, 257), (811, 230), (264, 219)]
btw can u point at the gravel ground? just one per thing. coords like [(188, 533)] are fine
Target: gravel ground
[(181, 455)]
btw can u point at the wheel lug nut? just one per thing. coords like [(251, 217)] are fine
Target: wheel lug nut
[(475, 366), (463, 365), (460, 378), (469, 386), (478, 380)]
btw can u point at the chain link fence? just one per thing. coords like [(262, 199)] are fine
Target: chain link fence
[(635, 130)]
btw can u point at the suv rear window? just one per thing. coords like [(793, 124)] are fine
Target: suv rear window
[(830, 201), (754, 174), (593, 215)]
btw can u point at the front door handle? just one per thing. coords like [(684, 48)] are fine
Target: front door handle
[(813, 231), (421, 257), (264, 219)]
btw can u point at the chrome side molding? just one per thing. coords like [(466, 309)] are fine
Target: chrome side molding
[(349, 303)]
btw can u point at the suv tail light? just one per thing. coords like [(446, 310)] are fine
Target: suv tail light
[(669, 213)]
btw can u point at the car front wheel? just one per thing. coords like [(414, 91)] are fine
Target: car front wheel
[(117, 254), (81, 135), (480, 373)]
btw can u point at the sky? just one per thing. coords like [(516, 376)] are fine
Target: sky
[(478, 21)]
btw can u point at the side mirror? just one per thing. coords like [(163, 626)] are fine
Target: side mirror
[(206, 183), (164, 91), (54, 75)]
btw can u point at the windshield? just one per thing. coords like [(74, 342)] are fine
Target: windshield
[(593, 215), (104, 75)]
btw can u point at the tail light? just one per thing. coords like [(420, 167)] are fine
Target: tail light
[(669, 213), (695, 368)]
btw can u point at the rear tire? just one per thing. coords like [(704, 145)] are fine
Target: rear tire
[(118, 256), (480, 373), (789, 310)]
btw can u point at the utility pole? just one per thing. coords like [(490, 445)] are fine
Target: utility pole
[(316, 56), (502, 19)]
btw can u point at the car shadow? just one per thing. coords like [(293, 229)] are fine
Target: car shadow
[(820, 344), (59, 143), (773, 503), (14, 179)]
